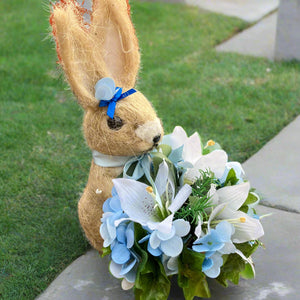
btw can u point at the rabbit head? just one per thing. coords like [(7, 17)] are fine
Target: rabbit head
[(105, 47)]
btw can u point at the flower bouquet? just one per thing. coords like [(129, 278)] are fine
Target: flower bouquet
[(182, 209)]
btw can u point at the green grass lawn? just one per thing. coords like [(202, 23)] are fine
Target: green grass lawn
[(241, 102)]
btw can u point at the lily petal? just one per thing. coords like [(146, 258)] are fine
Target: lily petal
[(162, 177), (234, 195), (136, 202), (192, 149), (214, 161), (247, 229), (176, 138), (165, 226), (180, 198)]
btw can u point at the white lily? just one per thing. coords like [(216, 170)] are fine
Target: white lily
[(192, 148), (214, 162), (230, 199), (144, 207)]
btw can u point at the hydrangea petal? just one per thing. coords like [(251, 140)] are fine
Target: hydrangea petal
[(172, 247), (154, 240), (182, 227), (115, 203), (154, 252), (130, 235), (127, 266), (214, 271), (121, 234), (126, 285), (115, 269), (225, 230), (207, 264), (120, 254), (163, 236)]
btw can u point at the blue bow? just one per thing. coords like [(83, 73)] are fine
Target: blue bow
[(109, 94)]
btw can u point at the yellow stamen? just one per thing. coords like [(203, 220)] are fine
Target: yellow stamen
[(243, 219), (210, 143), (149, 189)]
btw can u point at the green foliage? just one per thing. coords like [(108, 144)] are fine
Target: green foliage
[(234, 266), (151, 282), (231, 178), (105, 251), (190, 276), (250, 200), (195, 207)]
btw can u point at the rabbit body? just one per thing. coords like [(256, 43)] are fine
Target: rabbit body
[(105, 47)]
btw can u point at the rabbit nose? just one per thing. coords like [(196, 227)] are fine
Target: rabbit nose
[(156, 139)]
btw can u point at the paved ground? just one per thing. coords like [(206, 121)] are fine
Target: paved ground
[(258, 40), (248, 10), (274, 171)]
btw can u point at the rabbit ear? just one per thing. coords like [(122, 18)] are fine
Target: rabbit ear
[(87, 52), (113, 29), (77, 51)]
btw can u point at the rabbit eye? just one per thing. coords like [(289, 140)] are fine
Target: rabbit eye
[(116, 123)]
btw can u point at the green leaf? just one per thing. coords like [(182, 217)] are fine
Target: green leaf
[(235, 266), (247, 273), (166, 149), (250, 199), (151, 282), (105, 251), (190, 276), (248, 248), (231, 270), (231, 178)]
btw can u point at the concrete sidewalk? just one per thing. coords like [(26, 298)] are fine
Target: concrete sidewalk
[(275, 171), (247, 10)]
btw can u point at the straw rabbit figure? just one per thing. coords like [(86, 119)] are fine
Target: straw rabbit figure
[(88, 52)]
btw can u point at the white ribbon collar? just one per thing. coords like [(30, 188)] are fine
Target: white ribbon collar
[(109, 161)]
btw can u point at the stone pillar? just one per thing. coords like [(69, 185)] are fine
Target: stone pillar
[(288, 31)]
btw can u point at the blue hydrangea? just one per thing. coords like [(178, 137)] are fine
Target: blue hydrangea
[(214, 244), (120, 238), (171, 243), (124, 260), (112, 211)]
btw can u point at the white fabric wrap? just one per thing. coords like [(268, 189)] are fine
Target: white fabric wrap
[(109, 161)]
